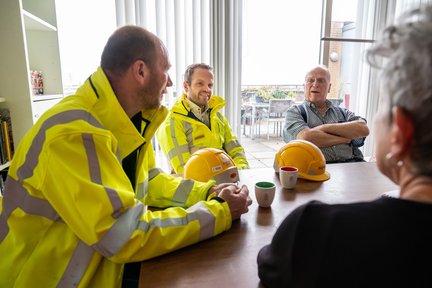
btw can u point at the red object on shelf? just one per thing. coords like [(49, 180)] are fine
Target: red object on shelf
[(37, 82)]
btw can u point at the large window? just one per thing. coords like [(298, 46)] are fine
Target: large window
[(349, 28), (278, 42), (84, 27), (347, 32), (342, 40)]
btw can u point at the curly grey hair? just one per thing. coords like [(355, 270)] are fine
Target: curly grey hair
[(406, 77)]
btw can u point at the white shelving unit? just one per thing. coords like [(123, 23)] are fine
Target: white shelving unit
[(4, 166), (29, 42), (33, 22)]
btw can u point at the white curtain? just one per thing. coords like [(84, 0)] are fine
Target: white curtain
[(226, 49), (195, 31), (374, 17), (383, 13), (403, 5)]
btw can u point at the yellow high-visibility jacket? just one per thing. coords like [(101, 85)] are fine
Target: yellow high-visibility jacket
[(181, 134), (70, 216)]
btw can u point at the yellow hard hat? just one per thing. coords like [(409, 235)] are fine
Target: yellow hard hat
[(304, 155), (211, 163)]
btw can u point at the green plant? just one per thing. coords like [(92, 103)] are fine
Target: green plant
[(279, 94), (265, 92), (292, 95)]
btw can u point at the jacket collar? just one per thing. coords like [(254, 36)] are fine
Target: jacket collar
[(109, 112), (181, 106)]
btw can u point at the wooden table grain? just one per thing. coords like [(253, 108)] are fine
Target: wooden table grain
[(229, 259)]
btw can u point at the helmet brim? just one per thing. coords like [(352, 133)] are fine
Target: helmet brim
[(321, 177)]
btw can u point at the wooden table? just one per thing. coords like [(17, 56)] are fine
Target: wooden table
[(229, 260)]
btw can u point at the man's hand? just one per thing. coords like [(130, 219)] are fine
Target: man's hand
[(237, 198), (217, 188)]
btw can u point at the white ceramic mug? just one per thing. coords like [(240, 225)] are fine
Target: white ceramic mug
[(288, 176), (264, 193)]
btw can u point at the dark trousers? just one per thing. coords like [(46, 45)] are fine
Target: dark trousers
[(131, 275)]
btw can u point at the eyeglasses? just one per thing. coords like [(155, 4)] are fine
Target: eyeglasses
[(318, 80)]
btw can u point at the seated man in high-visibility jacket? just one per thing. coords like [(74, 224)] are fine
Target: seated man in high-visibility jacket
[(73, 210), (195, 122)]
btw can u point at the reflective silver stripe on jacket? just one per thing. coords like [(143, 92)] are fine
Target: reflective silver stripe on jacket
[(188, 132), (15, 196), (240, 154), (180, 195), (191, 147), (182, 192), (229, 146), (120, 233), (198, 212), (153, 172), (77, 265), (177, 150), (95, 173), (142, 187)]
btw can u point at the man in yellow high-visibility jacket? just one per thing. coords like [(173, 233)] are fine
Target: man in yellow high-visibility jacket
[(73, 210), (195, 122)]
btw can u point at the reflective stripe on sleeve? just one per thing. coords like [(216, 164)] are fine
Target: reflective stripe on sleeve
[(17, 197), (95, 172), (240, 154), (120, 233), (228, 147), (182, 192), (153, 172), (206, 219), (142, 187), (196, 212)]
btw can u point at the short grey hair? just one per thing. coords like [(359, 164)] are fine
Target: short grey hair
[(406, 77), (321, 66), (191, 69)]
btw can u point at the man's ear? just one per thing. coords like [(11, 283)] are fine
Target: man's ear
[(402, 132), (186, 86), (140, 71)]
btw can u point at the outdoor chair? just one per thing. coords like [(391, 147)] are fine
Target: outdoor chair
[(276, 115)]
